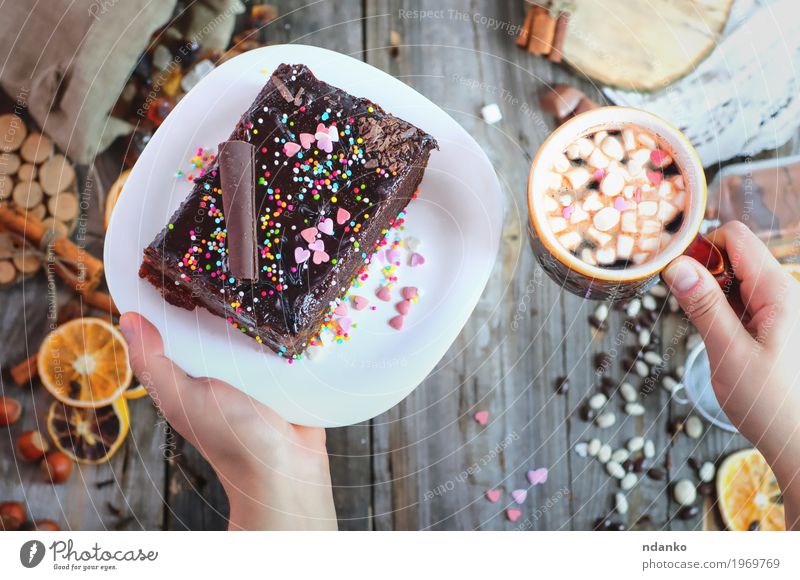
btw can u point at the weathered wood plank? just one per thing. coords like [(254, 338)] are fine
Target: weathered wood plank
[(433, 462)]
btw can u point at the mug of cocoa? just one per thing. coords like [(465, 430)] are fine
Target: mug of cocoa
[(614, 195)]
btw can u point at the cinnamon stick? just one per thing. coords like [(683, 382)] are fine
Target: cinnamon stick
[(560, 33), (101, 301), (22, 373), (525, 33), (542, 32), (81, 270)]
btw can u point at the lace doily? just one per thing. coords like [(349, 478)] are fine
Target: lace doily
[(745, 97)]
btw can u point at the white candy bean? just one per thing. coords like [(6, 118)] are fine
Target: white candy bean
[(684, 492)]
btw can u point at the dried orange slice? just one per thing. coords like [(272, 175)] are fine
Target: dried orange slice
[(84, 363), (135, 392), (113, 195), (793, 268), (749, 496), (89, 435)]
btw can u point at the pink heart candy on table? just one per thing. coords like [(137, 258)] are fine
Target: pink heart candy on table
[(360, 303), (291, 149), (383, 293), (319, 257), (309, 234), (342, 215), (409, 292), (397, 322), (307, 140), (519, 495), (345, 323), (317, 245), (326, 226), (301, 255), (493, 495), (537, 476), (341, 309), (513, 514), (417, 259), (403, 307), (482, 418)]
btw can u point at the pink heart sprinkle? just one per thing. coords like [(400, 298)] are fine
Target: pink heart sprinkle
[(519, 495), (513, 514), (482, 418), (341, 309), (637, 195), (309, 234), (417, 259), (537, 476), (620, 204), (599, 174), (326, 226), (342, 215), (657, 156), (307, 140), (567, 211), (397, 322), (655, 177), (383, 293), (409, 292), (493, 495), (381, 255), (320, 257), (360, 303), (317, 245), (403, 307), (291, 149), (345, 323), (301, 255), (392, 255)]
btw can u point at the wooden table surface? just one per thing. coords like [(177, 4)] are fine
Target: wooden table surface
[(426, 463)]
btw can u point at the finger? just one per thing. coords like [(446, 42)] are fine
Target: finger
[(167, 383), (701, 297), (762, 280)]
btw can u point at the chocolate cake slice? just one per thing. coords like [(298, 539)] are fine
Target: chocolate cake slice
[(332, 173)]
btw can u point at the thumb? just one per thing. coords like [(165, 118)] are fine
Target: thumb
[(701, 297), (165, 381)]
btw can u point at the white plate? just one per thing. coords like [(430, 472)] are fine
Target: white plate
[(458, 218)]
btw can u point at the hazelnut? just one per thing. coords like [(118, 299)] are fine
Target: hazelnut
[(12, 515), (32, 445), (10, 410), (56, 467)]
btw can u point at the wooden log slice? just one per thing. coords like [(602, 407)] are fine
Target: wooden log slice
[(9, 163), (27, 262), (8, 272), (37, 148), (54, 226), (38, 212), (6, 187), (27, 172), (12, 132), (642, 45), (27, 194), (64, 206), (56, 175), (6, 246)]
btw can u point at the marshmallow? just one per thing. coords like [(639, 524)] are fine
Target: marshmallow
[(629, 222), (646, 140), (598, 159), (628, 139), (593, 203), (573, 151), (558, 224), (550, 205), (553, 181), (648, 208), (606, 255), (599, 137), (578, 215), (625, 246), (600, 237), (570, 240), (588, 256), (606, 219), (561, 163), (577, 177), (613, 148), (585, 147), (612, 184)]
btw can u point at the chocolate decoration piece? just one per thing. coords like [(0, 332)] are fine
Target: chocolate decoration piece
[(238, 179)]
